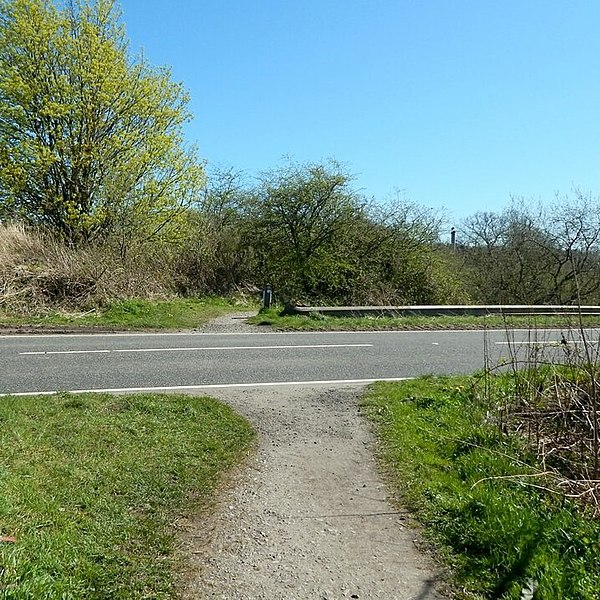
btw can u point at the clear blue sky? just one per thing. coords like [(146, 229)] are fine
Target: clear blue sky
[(460, 103)]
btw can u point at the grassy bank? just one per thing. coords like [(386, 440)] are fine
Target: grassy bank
[(90, 486), (181, 313), (319, 322), (190, 313), (479, 494)]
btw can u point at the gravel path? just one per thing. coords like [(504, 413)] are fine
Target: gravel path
[(231, 323), (308, 517)]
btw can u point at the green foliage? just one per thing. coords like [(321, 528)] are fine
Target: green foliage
[(90, 139), (471, 486), (314, 238), (91, 484), (298, 217)]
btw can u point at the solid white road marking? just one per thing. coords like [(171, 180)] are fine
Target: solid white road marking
[(214, 386), (66, 352), (545, 343), (185, 349)]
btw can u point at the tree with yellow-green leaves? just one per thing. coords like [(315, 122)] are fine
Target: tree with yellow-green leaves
[(91, 141)]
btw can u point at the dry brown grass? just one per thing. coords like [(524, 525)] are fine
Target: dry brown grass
[(559, 420), (39, 272), (555, 407)]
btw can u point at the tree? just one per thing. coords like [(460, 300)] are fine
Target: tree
[(505, 257), (297, 217), (528, 254), (316, 239), (574, 252), (91, 139), (215, 257)]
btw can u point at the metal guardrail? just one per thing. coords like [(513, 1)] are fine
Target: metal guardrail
[(440, 310)]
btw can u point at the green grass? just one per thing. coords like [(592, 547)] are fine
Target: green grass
[(183, 313), (90, 486), (189, 313), (319, 322), (440, 449)]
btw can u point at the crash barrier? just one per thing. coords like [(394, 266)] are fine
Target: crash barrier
[(441, 310)]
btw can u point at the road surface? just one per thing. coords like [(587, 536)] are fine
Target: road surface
[(182, 361)]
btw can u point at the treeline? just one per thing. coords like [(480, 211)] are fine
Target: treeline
[(100, 198), (306, 231), (303, 229), (533, 253)]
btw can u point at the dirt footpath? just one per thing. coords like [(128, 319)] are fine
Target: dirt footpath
[(308, 518)]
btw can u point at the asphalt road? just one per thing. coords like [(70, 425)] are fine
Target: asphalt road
[(48, 363)]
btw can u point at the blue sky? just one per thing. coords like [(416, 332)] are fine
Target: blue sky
[(460, 104)]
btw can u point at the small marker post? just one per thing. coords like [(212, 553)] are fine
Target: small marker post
[(267, 296)]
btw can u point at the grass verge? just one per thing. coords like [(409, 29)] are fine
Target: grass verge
[(319, 322), (91, 484), (181, 313), (476, 491)]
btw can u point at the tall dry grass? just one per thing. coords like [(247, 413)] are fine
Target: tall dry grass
[(39, 272), (554, 404)]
